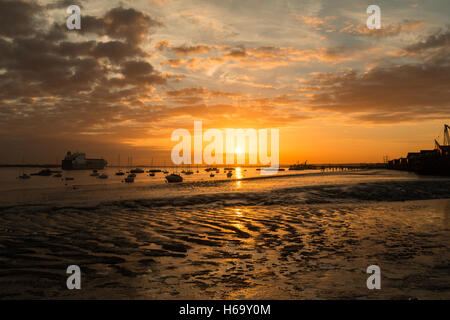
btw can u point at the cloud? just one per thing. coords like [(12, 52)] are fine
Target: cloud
[(186, 50), (386, 94), (317, 23), (440, 39), (121, 23), (50, 75), (385, 31), (18, 17)]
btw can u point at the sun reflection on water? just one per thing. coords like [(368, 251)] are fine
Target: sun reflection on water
[(239, 173)]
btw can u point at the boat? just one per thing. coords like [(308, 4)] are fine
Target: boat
[(129, 179), (120, 173), (103, 176), (229, 174), (212, 175), (24, 176), (57, 175), (189, 172), (137, 170), (210, 169), (300, 166), (165, 172), (133, 175), (154, 170), (94, 173), (78, 161), (228, 169), (151, 174), (43, 173), (69, 178), (171, 178)]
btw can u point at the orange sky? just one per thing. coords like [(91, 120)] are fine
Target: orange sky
[(137, 70)]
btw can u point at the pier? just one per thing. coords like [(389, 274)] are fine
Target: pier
[(338, 167)]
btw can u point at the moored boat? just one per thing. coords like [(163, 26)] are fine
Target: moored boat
[(171, 178)]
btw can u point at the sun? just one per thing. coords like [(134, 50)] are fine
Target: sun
[(238, 151)]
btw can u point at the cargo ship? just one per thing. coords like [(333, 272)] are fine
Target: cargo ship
[(78, 161)]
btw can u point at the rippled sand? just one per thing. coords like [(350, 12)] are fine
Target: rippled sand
[(222, 250)]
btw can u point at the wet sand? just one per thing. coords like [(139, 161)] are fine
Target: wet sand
[(217, 250)]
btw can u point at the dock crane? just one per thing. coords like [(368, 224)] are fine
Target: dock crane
[(446, 138), (446, 135)]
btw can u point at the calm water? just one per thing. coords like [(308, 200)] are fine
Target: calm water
[(304, 236)]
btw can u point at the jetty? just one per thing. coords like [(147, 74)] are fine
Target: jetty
[(337, 167)]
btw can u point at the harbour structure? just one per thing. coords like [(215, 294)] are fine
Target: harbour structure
[(435, 161)]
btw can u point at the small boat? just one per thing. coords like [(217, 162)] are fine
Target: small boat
[(189, 172), (229, 174), (24, 176), (129, 179), (120, 173), (103, 176), (212, 175), (94, 173), (151, 174), (43, 173), (171, 178), (133, 175), (165, 172), (69, 178), (137, 170), (154, 170), (57, 175)]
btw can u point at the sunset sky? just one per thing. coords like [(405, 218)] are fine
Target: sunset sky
[(137, 70)]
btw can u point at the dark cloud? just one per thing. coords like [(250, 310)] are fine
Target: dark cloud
[(236, 53), (120, 23), (384, 93), (186, 50), (74, 84), (440, 39), (17, 18)]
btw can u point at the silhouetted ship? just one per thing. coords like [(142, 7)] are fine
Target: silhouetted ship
[(78, 161), (300, 166), (436, 161)]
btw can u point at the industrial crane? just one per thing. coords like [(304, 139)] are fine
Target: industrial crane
[(446, 137)]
